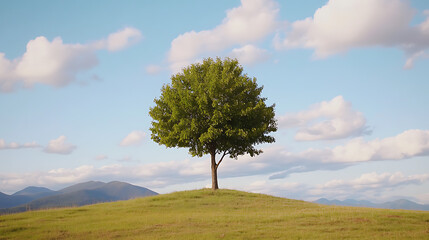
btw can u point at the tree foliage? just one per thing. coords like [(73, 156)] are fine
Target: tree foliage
[(213, 108)]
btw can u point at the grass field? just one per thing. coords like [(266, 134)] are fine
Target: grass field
[(223, 214)]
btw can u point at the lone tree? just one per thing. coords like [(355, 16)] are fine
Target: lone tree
[(213, 108)]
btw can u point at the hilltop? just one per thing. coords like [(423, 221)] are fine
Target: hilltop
[(204, 214)]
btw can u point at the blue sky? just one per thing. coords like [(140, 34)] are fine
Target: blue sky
[(349, 80)]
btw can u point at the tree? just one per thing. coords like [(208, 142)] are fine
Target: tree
[(213, 108)]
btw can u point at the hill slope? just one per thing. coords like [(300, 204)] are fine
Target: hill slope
[(204, 214)]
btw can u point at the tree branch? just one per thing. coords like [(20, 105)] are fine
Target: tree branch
[(224, 153)]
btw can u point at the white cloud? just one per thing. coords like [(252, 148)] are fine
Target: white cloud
[(376, 181), (411, 143), (59, 146), (101, 157), (250, 54), (248, 23), (408, 144), (151, 175), (341, 25), (166, 174), (14, 145), (121, 39), (154, 69), (409, 63), (134, 138), (334, 119), (281, 163), (275, 188), (423, 198), (56, 63), (51, 63), (275, 161), (62, 175), (368, 184)]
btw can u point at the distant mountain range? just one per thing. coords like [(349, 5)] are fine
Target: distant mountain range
[(398, 204), (32, 198)]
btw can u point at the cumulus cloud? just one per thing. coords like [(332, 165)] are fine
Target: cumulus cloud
[(405, 145), (250, 54), (52, 178), (165, 174), (376, 181), (248, 23), (56, 63), (423, 198), (151, 175), (276, 188), (59, 146), (334, 119), (409, 63), (14, 145), (134, 138), (280, 163), (154, 69), (368, 186), (101, 157), (51, 63), (340, 26), (275, 161), (121, 39), (372, 184), (411, 143)]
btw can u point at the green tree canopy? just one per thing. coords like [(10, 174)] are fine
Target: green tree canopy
[(213, 108)]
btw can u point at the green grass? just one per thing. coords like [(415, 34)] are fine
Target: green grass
[(223, 214)]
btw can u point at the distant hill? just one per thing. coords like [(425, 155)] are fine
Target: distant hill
[(82, 186), (24, 196), (398, 204), (124, 191), (7, 201), (31, 191), (77, 195)]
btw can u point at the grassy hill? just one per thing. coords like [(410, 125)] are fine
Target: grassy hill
[(223, 214)]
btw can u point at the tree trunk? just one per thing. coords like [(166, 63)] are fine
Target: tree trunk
[(214, 171)]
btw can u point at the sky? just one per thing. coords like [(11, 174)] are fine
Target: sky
[(349, 80)]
